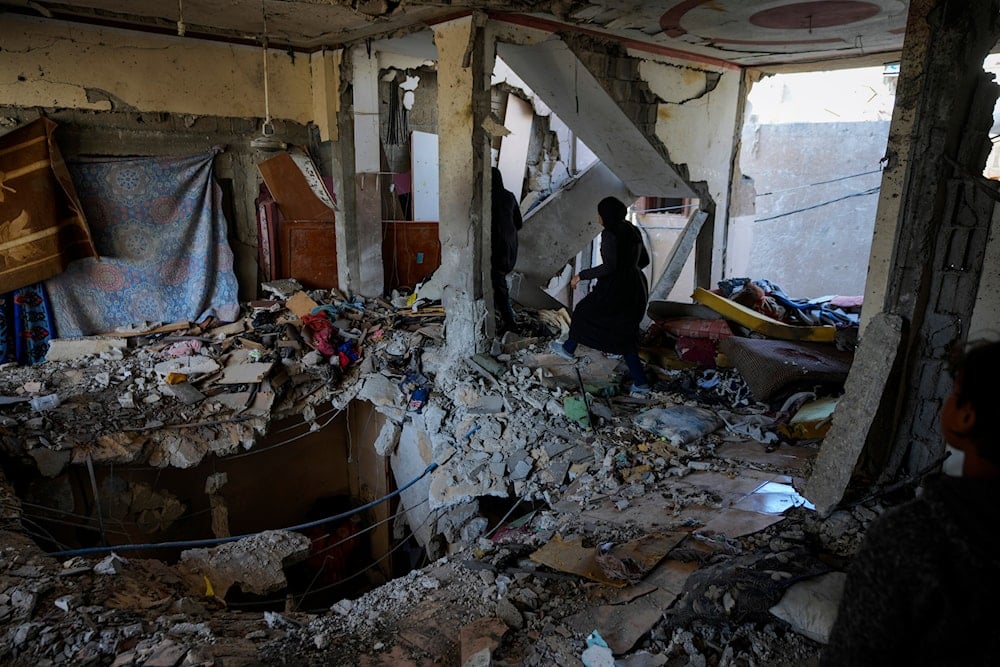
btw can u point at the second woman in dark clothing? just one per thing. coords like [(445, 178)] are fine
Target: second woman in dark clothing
[(608, 318)]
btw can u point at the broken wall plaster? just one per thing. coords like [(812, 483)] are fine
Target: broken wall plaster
[(677, 84), (144, 72)]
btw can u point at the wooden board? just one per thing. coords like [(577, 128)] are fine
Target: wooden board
[(291, 189)]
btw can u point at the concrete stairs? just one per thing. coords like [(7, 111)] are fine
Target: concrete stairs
[(593, 89)]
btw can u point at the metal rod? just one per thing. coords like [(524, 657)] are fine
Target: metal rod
[(97, 498)]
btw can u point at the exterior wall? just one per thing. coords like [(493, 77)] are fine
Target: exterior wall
[(823, 250)]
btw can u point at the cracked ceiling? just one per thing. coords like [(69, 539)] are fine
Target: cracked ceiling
[(731, 32)]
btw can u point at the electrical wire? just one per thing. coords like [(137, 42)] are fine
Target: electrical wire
[(319, 416), (43, 534), (367, 529), (260, 450), (832, 180), (371, 527), (36, 518), (87, 517), (367, 567), (870, 191), (233, 538)]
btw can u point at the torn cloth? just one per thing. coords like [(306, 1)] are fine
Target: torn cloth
[(42, 227), (159, 226)]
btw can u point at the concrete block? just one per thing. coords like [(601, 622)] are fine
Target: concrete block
[(380, 390), (67, 349), (50, 462), (480, 637), (387, 438)]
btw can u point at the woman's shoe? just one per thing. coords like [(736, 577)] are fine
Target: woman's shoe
[(641, 389)]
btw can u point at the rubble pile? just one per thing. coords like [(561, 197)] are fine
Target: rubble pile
[(662, 530), (170, 395)]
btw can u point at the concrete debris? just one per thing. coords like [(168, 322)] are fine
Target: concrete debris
[(253, 563), (641, 529)]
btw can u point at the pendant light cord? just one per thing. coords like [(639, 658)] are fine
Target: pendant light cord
[(267, 128)]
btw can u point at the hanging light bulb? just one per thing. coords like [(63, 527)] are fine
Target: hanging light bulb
[(266, 140)]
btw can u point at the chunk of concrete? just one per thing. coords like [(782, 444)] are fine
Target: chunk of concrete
[(387, 439), (50, 462), (413, 453), (479, 639), (380, 390), (254, 563), (67, 349)]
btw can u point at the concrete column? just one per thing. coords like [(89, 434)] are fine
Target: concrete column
[(363, 233), (325, 70), (336, 155), (464, 65)]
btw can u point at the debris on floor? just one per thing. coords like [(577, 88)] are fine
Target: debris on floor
[(665, 529)]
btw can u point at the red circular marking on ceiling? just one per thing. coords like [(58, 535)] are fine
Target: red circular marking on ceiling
[(810, 15)]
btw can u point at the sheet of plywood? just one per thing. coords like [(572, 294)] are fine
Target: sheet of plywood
[(300, 193)]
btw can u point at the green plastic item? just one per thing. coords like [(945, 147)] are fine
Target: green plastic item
[(576, 409)]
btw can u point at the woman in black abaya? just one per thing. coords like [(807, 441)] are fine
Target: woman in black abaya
[(608, 318)]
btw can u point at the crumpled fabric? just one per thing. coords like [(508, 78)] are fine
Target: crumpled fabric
[(323, 333)]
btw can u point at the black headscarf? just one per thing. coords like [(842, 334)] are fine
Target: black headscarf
[(612, 212)]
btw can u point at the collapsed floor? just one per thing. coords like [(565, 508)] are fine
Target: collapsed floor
[(661, 530)]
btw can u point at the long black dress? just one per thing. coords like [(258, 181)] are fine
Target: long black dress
[(608, 318)]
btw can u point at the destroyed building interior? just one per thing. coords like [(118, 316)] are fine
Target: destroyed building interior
[(257, 405)]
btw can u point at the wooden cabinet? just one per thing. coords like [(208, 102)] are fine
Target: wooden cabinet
[(302, 249), (411, 251)]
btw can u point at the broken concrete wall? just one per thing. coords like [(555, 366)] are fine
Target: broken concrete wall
[(370, 475), (60, 65), (698, 119), (421, 116), (816, 187), (986, 315), (662, 232), (933, 223)]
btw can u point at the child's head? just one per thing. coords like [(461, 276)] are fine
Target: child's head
[(970, 417)]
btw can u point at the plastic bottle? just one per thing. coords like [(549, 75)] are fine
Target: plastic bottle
[(41, 403)]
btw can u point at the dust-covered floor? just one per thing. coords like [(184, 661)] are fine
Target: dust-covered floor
[(662, 529)]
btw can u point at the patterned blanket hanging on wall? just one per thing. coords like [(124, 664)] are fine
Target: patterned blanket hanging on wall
[(159, 226), (42, 228)]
